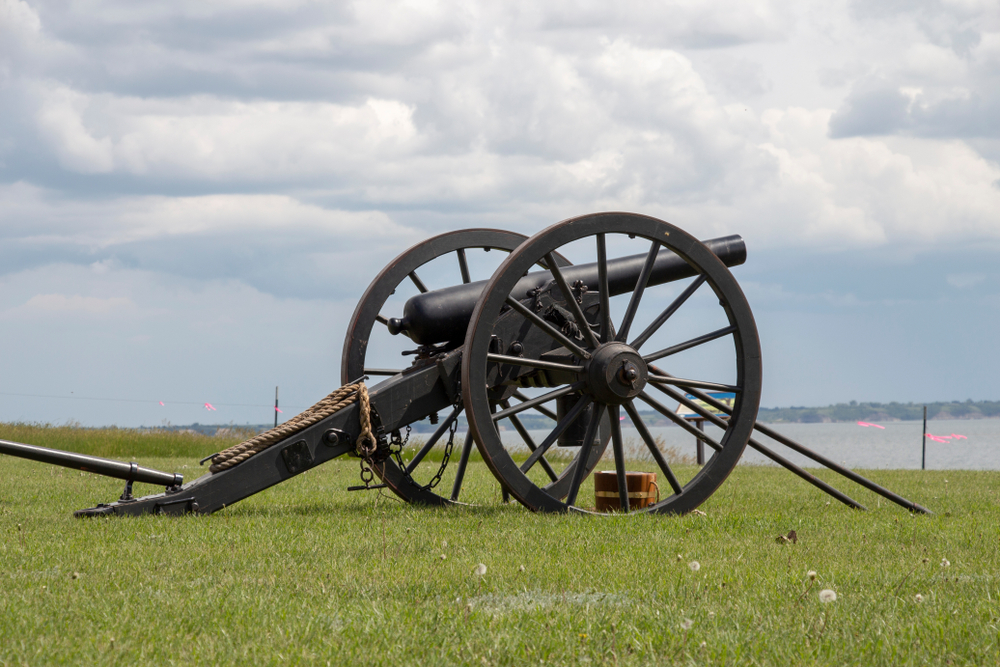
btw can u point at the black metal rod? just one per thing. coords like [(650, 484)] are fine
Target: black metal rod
[(463, 463), (418, 282), (544, 398), (538, 408), (688, 344), (805, 451), (561, 427), (923, 448), (619, 451), (640, 288), (584, 456), (463, 266), (382, 371), (602, 288), (647, 437), (533, 363), (526, 437), (680, 421), (445, 425), (777, 458), (668, 312), (94, 464), (690, 384)]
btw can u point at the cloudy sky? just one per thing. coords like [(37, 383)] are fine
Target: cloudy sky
[(194, 195)]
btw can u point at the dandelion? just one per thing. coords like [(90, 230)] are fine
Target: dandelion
[(520, 568), (694, 565), (443, 556), (826, 595), (687, 624), (480, 570), (811, 574), (945, 562), (918, 598)]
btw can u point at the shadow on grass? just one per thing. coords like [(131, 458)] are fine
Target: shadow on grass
[(395, 506)]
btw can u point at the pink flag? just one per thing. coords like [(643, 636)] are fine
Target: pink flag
[(161, 402), (958, 437), (935, 438), (867, 424), (209, 406), (277, 409)]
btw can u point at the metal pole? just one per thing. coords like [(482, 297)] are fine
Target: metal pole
[(923, 457), (701, 443), (94, 464), (275, 407)]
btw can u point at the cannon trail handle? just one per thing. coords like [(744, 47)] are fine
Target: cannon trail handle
[(130, 472)]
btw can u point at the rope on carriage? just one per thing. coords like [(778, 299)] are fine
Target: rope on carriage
[(339, 399)]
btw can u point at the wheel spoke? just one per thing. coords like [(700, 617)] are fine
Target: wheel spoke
[(538, 400), (382, 320), (538, 408), (561, 427), (619, 451), (463, 463), (687, 345), (533, 363), (584, 456), (697, 384), (602, 287), (653, 449), (561, 338), (571, 301), (666, 314), (382, 371), (445, 425), (677, 419), (526, 437), (417, 281), (463, 265), (640, 287)]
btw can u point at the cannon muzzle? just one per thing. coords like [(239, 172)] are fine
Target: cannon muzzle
[(442, 316)]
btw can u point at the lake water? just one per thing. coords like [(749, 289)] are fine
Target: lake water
[(898, 445)]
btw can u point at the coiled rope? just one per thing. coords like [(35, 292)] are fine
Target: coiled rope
[(338, 400)]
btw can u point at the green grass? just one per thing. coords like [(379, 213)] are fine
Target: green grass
[(306, 573)]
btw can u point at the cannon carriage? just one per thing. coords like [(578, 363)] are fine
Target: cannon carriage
[(580, 325)]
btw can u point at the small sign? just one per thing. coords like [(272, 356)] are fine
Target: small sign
[(726, 398)]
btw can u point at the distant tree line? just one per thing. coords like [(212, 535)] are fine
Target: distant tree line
[(874, 412), (841, 412)]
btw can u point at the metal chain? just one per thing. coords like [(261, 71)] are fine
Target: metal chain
[(397, 450)]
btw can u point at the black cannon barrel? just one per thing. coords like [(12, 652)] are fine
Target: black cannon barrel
[(443, 315), (94, 464)]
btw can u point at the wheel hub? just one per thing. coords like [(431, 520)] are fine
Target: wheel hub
[(616, 373)]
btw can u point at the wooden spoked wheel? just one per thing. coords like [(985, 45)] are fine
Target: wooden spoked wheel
[(560, 334), (442, 261)]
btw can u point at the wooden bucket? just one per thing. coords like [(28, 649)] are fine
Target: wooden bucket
[(642, 490)]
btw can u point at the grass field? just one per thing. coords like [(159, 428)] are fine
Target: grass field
[(306, 573)]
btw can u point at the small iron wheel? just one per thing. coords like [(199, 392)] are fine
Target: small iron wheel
[(600, 368)]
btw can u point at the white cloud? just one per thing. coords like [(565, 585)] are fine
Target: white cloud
[(67, 304)]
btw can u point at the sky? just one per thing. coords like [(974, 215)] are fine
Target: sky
[(194, 195)]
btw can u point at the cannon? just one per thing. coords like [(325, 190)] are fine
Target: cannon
[(579, 326)]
